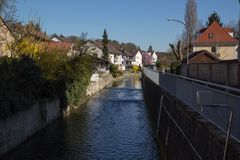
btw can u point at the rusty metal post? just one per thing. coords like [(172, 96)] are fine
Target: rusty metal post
[(159, 116)]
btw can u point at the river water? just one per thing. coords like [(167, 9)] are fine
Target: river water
[(114, 124)]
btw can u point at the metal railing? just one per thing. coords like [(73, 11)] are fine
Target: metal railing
[(152, 74), (213, 101)]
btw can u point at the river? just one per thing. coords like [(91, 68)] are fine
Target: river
[(113, 124)]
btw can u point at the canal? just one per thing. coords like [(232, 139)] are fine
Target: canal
[(113, 124)]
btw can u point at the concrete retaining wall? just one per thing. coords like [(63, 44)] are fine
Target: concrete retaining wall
[(105, 81), (183, 133), (17, 128), (222, 73), (102, 82)]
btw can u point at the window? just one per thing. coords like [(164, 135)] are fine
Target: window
[(214, 49), (210, 35)]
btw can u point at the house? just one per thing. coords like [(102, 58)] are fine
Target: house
[(119, 58), (94, 49), (56, 38), (137, 59), (116, 54), (100, 66), (61, 38), (202, 56), (217, 40), (6, 38), (154, 57)]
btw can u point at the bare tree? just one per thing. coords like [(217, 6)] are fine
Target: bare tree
[(28, 39), (8, 9), (191, 19), (234, 25), (177, 51), (80, 42)]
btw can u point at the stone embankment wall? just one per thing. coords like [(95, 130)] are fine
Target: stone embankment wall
[(184, 134), (102, 82), (105, 81), (17, 128)]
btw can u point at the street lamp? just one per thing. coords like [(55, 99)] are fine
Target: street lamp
[(175, 20)]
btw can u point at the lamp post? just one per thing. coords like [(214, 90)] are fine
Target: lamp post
[(175, 20)]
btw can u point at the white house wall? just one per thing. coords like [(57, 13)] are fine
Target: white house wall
[(96, 51), (154, 57), (111, 58), (137, 59)]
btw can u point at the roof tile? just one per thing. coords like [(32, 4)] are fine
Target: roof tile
[(220, 35)]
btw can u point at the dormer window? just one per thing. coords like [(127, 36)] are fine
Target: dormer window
[(214, 49), (210, 35)]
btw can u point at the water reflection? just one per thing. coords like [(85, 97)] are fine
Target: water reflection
[(114, 124), (131, 82)]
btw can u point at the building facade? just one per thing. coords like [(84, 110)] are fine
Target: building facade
[(217, 40)]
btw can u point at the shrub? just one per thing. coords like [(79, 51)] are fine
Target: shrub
[(114, 71), (135, 68), (20, 87), (158, 64), (78, 82), (23, 81), (175, 68)]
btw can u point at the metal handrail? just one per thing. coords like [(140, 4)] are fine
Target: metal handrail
[(199, 81), (205, 82)]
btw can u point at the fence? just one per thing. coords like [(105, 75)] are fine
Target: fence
[(213, 101), (210, 72)]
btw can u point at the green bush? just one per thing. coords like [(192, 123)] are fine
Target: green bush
[(114, 71), (175, 68), (77, 85), (20, 87), (24, 81), (69, 76), (158, 64)]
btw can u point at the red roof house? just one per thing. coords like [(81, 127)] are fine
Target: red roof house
[(218, 41)]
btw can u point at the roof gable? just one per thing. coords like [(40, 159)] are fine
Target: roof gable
[(195, 57), (219, 35)]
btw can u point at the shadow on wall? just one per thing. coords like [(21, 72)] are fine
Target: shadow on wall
[(181, 132)]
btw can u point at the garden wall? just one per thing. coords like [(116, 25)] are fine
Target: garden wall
[(225, 73)]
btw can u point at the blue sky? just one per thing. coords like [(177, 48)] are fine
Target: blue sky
[(142, 22)]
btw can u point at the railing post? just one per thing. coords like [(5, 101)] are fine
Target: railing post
[(228, 134), (159, 116)]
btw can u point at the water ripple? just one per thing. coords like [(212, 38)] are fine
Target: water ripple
[(114, 124)]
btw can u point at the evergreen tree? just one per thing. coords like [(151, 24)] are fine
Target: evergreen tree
[(150, 49), (212, 18), (138, 48), (105, 44)]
